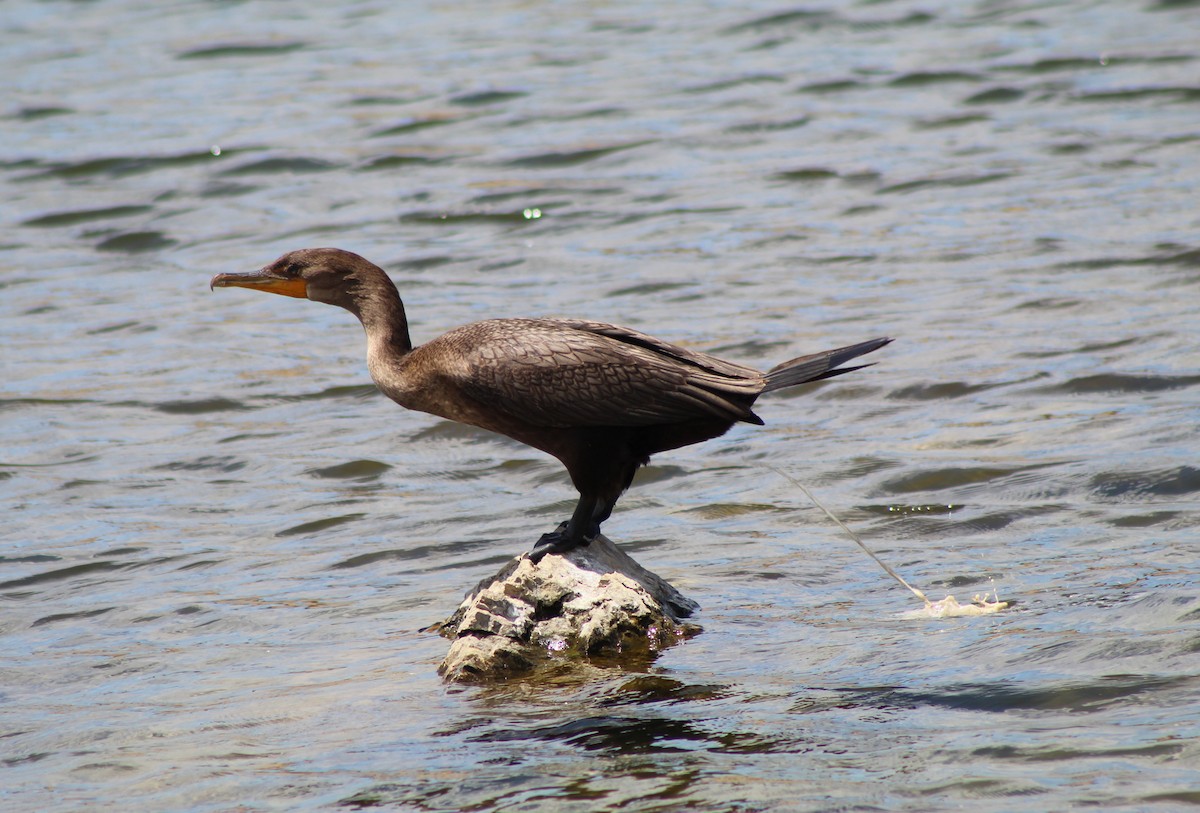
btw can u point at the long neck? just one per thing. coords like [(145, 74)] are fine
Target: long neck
[(382, 315), (389, 349)]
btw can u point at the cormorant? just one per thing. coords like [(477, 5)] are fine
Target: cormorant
[(600, 398)]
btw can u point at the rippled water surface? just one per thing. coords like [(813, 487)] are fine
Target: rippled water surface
[(220, 543)]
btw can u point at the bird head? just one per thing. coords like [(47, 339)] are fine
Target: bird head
[(328, 275)]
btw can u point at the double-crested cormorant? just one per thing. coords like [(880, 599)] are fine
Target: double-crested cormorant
[(598, 397)]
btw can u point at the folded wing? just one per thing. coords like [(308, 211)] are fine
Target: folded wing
[(561, 373)]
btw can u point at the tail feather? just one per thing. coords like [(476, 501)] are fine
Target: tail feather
[(819, 366)]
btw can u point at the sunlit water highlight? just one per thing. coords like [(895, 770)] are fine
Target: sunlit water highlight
[(220, 544)]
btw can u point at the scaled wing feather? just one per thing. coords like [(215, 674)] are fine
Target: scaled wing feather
[(568, 373)]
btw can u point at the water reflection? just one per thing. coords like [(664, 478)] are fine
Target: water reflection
[(220, 542)]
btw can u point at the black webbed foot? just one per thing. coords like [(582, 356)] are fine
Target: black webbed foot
[(561, 540)]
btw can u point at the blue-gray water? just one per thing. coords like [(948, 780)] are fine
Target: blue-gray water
[(219, 543)]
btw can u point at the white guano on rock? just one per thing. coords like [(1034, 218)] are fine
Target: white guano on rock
[(593, 601)]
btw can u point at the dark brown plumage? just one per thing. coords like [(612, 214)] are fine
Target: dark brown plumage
[(600, 398)]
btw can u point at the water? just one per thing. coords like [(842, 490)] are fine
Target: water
[(220, 544)]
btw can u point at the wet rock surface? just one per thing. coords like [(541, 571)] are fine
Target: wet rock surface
[(593, 601)]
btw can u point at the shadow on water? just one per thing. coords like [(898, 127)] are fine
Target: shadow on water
[(1071, 696), (190, 493), (646, 754), (531, 727)]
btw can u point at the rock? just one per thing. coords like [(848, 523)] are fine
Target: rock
[(593, 601)]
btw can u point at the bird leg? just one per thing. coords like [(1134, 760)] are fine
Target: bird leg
[(581, 528), (602, 511)]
